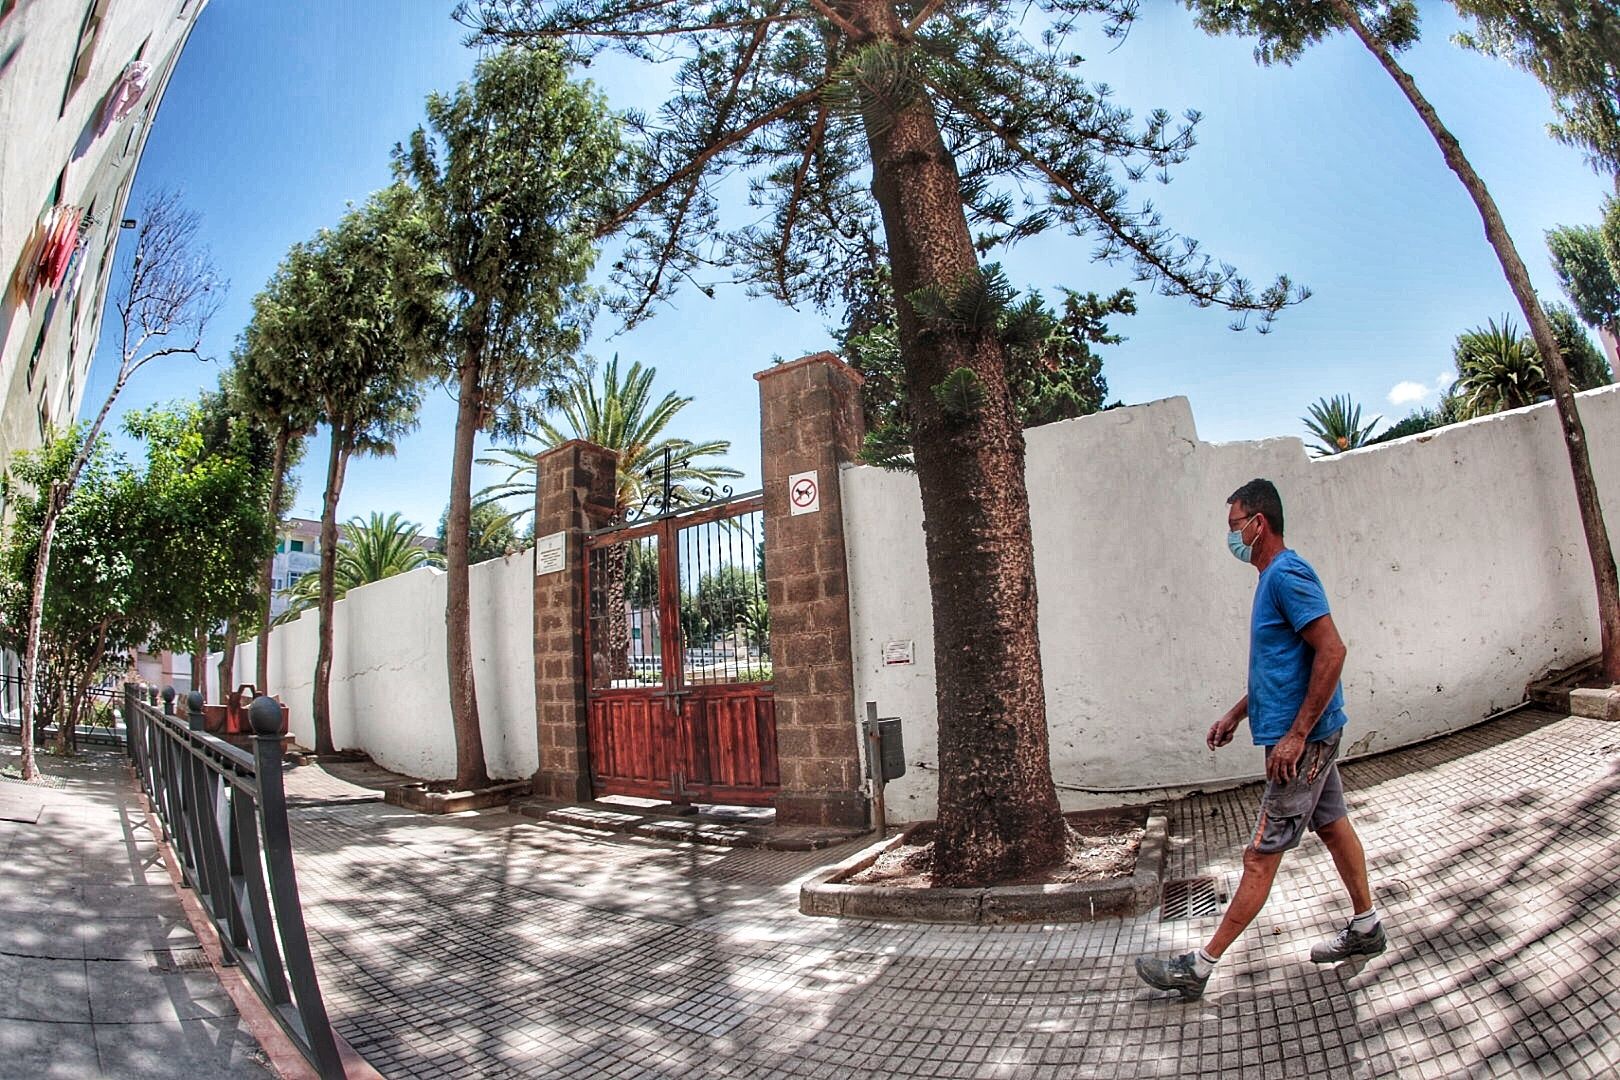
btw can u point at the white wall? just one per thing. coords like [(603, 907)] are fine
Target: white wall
[(1454, 561), (390, 686)]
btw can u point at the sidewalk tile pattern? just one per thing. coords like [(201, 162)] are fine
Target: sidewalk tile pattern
[(490, 945)]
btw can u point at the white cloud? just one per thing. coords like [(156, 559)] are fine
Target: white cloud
[(1405, 393)]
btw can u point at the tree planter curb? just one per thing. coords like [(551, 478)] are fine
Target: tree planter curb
[(826, 894), (417, 797), (1565, 691)]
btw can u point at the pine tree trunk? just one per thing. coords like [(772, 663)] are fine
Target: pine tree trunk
[(1580, 461), (227, 662), (278, 467), (337, 463), (199, 663), (998, 809), (470, 769)]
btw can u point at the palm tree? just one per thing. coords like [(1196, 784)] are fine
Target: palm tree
[(1498, 368), (1336, 423), (370, 550), (623, 417)]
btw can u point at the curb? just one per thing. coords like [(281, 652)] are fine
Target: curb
[(686, 830), (284, 1057), (1083, 901)]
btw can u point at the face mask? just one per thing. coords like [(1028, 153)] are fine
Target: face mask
[(1241, 551)]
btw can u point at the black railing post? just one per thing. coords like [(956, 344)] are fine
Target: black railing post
[(265, 716), (168, 701)]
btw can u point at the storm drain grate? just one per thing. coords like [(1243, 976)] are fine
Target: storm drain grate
[(1189, 898), (171, 961)]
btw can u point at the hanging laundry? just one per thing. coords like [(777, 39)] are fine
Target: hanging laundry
[(125, 94), (64, 240)]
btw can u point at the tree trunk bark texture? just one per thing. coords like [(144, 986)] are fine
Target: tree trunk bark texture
[(616, 566), (998, 809), (267, 577), (227, 662), (36, 626), (199, 663), (1580, 461), (337, 463), (470, 769)]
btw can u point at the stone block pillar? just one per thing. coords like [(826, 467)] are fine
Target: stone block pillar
[(574, 493), (811, 422)]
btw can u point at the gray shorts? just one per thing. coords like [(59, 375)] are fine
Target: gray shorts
[(1314, 798)]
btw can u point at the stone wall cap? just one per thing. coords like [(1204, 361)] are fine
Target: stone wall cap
[(831, 360), (573, 443)]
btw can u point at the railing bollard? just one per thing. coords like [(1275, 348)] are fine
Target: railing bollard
[(168, 701), (194, 710)]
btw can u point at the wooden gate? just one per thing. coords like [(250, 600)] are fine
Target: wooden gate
[(678, 666)]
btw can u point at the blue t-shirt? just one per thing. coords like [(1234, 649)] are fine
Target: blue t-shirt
[(1288, 599)]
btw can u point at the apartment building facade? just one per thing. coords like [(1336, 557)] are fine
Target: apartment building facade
[(80, 84)]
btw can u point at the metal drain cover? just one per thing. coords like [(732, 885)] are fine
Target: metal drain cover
[(1189, 898), (171, 961)]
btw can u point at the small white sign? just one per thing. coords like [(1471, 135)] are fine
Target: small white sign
[(550, 553), (897, 652), (804, 494)]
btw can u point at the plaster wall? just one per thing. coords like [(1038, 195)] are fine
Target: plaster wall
[(1454, 561), (390, 687)]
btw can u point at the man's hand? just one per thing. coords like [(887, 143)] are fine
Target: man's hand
[(1220, 732), (1284, 760)]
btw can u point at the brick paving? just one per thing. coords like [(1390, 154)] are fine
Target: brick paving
[(489, 945)]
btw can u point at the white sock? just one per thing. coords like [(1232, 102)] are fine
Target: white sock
[(1203, 963), (1365, 920)]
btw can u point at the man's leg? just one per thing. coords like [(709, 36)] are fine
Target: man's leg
[(1259, 870), (1364, 935), (1345, 847)]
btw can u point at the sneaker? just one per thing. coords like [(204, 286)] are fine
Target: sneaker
[(1348, 944), (1175, 973)]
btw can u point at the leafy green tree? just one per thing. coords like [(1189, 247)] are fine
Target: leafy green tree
[(1336, 425), (624, 416), (1284, 29), (169, 292), (924, 123), (490, 533), (92, 609), (1573, 47), (1419, 421), (372, 549), (346, 311), (205, 485), (513, 170), (1497, 369), (274, 387), (1587, 367), (1054, 371), (1586, 275)]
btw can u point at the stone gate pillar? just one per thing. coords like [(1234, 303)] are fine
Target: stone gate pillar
[(811, 423), (574, 493)]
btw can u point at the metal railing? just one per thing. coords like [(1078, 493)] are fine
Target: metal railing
[(224, 811)]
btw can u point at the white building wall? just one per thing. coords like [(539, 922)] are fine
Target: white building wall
[(1454, 561), (390, 684), (51, 144)]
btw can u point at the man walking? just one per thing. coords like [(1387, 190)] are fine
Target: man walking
[(1295, 708)]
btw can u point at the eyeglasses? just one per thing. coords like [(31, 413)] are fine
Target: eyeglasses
[(1241, 523)]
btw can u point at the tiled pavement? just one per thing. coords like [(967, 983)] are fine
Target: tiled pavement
[(487, 945), (100, 974)]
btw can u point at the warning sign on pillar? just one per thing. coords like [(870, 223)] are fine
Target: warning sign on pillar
[(804, 494)]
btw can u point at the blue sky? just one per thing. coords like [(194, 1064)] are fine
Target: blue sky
[(279, 114)]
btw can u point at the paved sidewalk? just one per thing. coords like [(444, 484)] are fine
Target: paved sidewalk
[(100, 974), (488, 945)]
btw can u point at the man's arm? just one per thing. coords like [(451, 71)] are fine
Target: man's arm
[(1323, 638), (1220, 733)]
